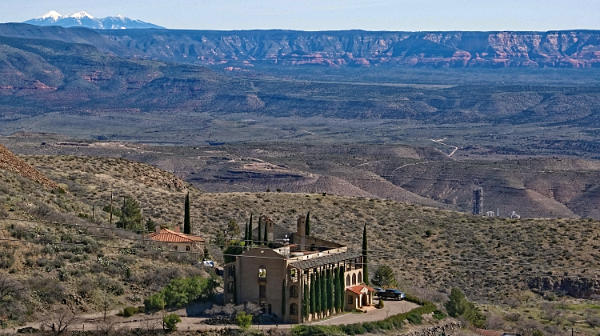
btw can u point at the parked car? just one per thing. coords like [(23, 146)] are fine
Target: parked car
[(393, 294), (378, 291)]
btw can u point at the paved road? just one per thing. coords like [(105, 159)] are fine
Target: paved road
[(390, 308)]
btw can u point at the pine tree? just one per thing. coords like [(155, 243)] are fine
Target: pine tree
[(313, 299), (131, 215), (187, 225), (307, 224), (342, 288), (364, 257)]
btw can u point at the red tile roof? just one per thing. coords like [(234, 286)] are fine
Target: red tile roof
[(168, 236), (358, 289)]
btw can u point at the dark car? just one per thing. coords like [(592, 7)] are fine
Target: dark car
[(378, 291), (393, 294)]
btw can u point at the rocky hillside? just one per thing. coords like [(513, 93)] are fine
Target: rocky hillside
[(555, 49), (12, 163)]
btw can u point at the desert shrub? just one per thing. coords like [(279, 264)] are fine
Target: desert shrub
[(459, 306), (380, 304), (46, 289), (110, 285), (129, 311), (154, 303), (170, 322), (414, 318), (181, 292), (7, 258), (243, 320), (439, 315)]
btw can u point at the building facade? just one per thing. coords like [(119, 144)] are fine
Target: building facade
[(303, 280), (177, 241)]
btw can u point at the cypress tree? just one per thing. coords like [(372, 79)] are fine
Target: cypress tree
[(323, 292), (266, 233), (336, 291), (342, 287), (258, 240), (318, 292), (307, 227), (187, 225), (250, 229), (330, 290), (364, 256), (312, 294), (246, 234)]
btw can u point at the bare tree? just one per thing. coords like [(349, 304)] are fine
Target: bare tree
[(59, 321)]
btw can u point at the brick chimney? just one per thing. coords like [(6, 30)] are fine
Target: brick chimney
[(177, 228), (301, 232)]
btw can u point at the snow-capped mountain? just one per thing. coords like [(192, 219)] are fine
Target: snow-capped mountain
[(84, 19)]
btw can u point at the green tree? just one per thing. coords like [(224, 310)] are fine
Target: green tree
[(307, 224), (233, 230), (258, 240), (131, 215), (243, 320), (305, 301), (318, 292), (150, 225), (457, 303), (313, 299), (170, 322), (341, 287), (154, 303), (250, 229), (364, 256), (384, 277), (266, 233), (336, 291), (187, 222), (323, 292), (330, 290)]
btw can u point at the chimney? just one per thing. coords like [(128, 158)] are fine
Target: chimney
[(177, 229), (157, 229)]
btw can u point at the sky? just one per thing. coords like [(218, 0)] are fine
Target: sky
[(415, 15)]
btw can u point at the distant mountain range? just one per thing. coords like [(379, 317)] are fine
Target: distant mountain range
[(84, 19)]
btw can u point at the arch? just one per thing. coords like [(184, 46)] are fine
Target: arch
[(354, 279), (360, 277), (348, 280), (293, 308)]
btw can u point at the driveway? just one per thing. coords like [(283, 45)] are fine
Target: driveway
[(390, 308)]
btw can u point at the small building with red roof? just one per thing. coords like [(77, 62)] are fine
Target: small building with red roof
[(178, 241), (359, 296)]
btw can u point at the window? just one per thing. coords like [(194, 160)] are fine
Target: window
[(359, 276), (294, 291), (262, 273), (354, 279), (347, 280), (262, 292), (188, 248), (293, 309), (293, 275)]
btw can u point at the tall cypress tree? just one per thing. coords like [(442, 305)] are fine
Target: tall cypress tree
[(307, 224), (336, 291), (323, 292), (364, 256), (313, 299), (258, 240), (342, 287), (330, 290), (246, 234), (250, 229), (187, 225), (318, 293), (266, 233)]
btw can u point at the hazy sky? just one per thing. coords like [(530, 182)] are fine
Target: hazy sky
[(330, 14)]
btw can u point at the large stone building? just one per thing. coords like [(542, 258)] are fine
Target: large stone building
[(283, 276)]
